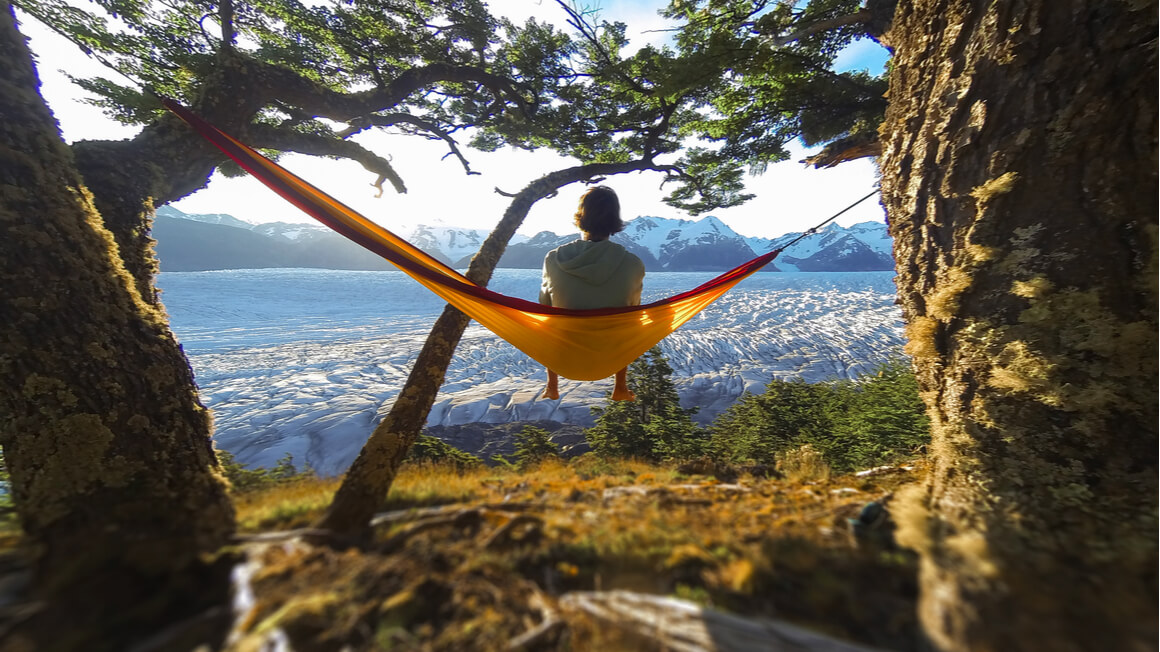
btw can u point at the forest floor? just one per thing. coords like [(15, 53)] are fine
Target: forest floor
[(568, 555)]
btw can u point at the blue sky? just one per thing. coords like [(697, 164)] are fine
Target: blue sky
[(790, 197)]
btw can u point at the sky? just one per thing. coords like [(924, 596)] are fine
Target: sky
[(789, 196)]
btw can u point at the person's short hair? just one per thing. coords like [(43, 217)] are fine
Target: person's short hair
[(599, 212)]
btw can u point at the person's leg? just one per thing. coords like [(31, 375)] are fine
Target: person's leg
[(621, 392), (552, 391)]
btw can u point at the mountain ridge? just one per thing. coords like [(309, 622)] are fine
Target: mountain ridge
[(664, 244)]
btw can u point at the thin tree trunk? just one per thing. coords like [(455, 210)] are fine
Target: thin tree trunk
[(112, 470), (364, 489), (1019, 176)]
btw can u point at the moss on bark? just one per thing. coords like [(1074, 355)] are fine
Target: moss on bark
[(1016, 155), (112, 470)]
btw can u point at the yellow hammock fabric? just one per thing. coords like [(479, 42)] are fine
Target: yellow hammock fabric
[(577, 344)]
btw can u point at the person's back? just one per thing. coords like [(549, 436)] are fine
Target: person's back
[(589, 274), (593, 272)]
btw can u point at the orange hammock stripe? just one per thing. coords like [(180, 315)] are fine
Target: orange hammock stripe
[(577, 344)]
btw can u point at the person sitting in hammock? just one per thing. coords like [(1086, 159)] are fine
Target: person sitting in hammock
[(593, 272)]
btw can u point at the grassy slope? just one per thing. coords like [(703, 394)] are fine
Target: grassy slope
[(471, 559)]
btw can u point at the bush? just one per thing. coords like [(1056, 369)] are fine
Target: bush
[(432, 450), (534, 445), (759, 426), (873, 420), (884, 420), (654, 427), (243, 480)]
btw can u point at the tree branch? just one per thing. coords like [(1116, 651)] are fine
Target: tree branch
[(591, 171), (226, 18), (856, 146), (586, 30), (266, 136), (858, 17), (392, 119), (657, 131), (292, 88)]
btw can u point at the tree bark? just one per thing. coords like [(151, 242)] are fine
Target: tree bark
[(165, 162), (1019, 174), (131, 177), (364, 489), (112, 470)]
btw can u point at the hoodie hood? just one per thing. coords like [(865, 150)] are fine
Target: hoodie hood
[(591, 262)]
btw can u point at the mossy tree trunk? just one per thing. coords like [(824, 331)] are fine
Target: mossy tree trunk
[(112, 470), (1019, 176), (364, 489), (165, 162), (130, 177)]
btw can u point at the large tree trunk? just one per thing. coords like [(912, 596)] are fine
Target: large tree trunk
[(112, 470), (1019, 175), (364, 489), (163, 163)]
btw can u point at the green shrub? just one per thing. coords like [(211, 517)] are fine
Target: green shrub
[(244, 480), (873, 420), (884, 420), (534, 445), (654, 427), (432, 450), (759, 426)]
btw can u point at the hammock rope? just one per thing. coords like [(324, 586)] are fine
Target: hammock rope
[(576, 344)]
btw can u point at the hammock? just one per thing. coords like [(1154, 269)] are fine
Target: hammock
[(576, 344)]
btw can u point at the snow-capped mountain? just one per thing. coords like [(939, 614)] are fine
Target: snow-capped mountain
[(208, 218), (863, 247), (292, 231), (708, 244), (686, 245), (664, 244), (452, 245)]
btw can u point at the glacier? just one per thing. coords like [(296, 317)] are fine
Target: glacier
[(307, 361)]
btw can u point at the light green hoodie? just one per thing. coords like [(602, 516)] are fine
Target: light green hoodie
[(586, 274)]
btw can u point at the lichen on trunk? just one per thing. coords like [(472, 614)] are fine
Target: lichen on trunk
[(113, 474), (1019, 174)]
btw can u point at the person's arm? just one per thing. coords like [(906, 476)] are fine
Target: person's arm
[(638, 286), (552, 390), (546, 283)]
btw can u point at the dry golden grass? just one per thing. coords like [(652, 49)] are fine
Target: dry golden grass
[(285, 505), (476, 571), (804, 464), (439, 579)]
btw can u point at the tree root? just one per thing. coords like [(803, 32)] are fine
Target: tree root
[(549, 623), (685, 627), (503, 533)]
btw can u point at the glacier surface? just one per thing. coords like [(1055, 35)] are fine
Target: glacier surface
[(306, 362)]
